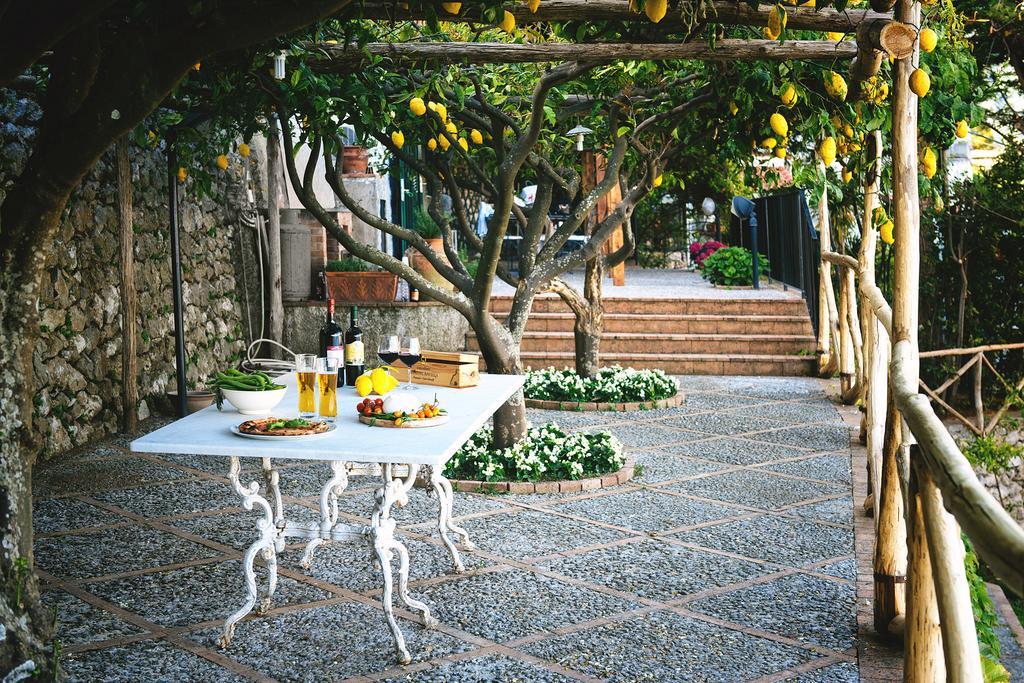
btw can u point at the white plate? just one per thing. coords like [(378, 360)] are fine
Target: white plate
[(293, 437)]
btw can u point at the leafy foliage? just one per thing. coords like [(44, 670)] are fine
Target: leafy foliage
[(985, 619), (609, 385), (349, 264), (545, 453), (991, 453), (733, 266)]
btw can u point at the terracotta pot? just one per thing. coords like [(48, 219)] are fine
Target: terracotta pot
[(194, 400), (369, 287), (422, 266), (354, 160)]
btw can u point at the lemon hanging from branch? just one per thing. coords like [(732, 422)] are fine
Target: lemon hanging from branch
[(658, 181), (451, 7), (929, 163), (886, 232), (533, 5), (476, 136), (928, 40), (778, 124), (508, 22), (962, 129), (398, 139), (417, 107), (222, 162), (835, 86), (769, 143), (789, 95), (827, 150), (656, 9), (920, 82), (182, 174), (431, 144), (777, 21)]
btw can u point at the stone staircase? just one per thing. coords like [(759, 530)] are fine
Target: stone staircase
[(734, 336)]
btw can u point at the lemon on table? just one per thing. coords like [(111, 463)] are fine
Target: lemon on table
[(381, 381), (364, 385)]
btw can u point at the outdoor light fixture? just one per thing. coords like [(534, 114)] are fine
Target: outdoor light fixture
[(578, 132), (279, 62), (708, 206)]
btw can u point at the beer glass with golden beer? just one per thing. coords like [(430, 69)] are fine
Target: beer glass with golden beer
[(327, 383), (305, 369)]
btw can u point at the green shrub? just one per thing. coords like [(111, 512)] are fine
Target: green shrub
[(425, 225), (546, 452), (991, 453), (732, 266), (349, 264), (472, 263), (609, 385), (649, 258), (985, 619)]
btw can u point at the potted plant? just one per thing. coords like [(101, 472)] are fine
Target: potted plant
[(352, 279), (429, 230), (733, 267)]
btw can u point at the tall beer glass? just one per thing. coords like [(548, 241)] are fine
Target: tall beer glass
[(305, 369), (327, 383)]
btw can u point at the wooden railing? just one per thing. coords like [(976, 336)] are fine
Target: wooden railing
[(921, 590), (978, 362)]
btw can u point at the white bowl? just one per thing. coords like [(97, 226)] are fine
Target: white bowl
[(254, 402)]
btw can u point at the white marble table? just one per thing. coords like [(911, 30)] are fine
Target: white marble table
[(207, 432)]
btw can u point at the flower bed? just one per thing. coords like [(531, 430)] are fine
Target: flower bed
[(612, 388), (547, 455)]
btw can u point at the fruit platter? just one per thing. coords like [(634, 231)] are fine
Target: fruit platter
[(401, 409)]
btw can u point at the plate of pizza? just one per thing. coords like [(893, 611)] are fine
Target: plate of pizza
[(282, 428)]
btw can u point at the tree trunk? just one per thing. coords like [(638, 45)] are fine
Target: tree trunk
[(501, 355), (275, 173), (589, 326), (129, 383)]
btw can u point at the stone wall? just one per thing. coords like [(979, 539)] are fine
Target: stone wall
[(77, 363), (438, 327)]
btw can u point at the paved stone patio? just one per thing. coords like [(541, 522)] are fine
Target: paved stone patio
[(730, 556)]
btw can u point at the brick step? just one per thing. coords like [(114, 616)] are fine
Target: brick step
[(689, 363), (553, 304), (680, 324), (674, 344)]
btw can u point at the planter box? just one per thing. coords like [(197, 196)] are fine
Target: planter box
[(369, 287)]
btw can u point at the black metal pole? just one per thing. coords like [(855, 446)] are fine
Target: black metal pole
[(753, 251), (179, 322)]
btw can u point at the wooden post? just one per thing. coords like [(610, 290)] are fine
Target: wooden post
[(922, 653), (956, 616), (890, 559), (876, 339), (846, 363), (979, 404), (828, 359), (275, 177), (129, 382)]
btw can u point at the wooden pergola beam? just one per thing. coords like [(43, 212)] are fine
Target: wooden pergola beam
[(876, 39), (720, 11), (347, 57)]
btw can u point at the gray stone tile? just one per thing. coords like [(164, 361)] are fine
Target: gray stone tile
[(327, 643), (153, 661), (736, 451), (812, 610), (647, 510), (704, 401), (815, 437), (81, 622), (530, 534), (828, 467), (731, 424), (65, 514), (112, 551), (755, 488), (655, 569), (791, 413), (176, 499), (237, 529), (511, 604), (194, 594), (87, 476), (793, 542), (837, 511), (145, 427), (307, 480), (485, 669), (659, 466), (844, 569), (212, 464), (771, 388), (349, 565), (646, 435), (843, 672), (664, 646)]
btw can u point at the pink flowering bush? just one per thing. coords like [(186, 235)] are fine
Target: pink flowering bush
[(701, 250)]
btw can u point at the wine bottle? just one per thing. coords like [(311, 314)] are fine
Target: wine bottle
[(355, 360), (331, 342)]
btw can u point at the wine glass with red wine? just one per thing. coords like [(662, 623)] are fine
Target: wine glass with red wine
[(387, 350), (409, 354)]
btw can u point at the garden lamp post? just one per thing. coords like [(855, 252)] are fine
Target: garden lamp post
[(743, 209), (578, 132)]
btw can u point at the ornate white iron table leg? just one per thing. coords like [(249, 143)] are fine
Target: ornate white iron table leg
[(268, 536), (334, 487), (272, 479), (445, 500), (382, 536)]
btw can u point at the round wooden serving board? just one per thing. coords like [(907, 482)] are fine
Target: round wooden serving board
[(411, 424)]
